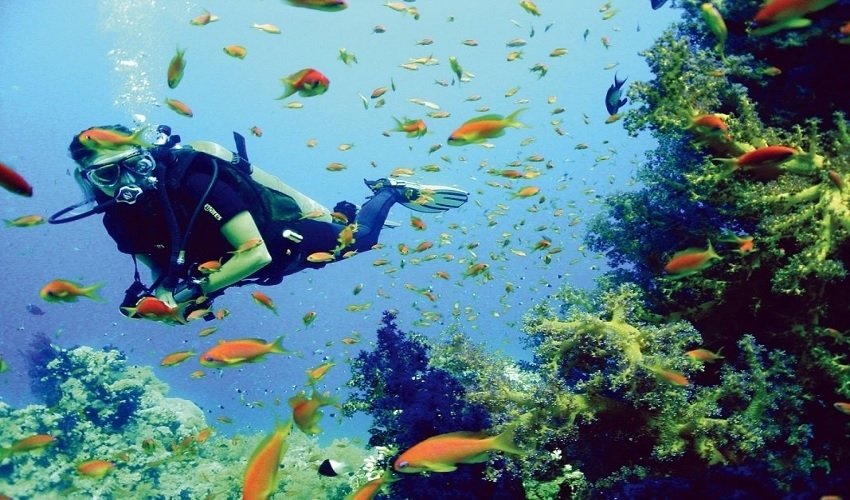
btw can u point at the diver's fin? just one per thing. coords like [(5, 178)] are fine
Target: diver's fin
[(421, 197)]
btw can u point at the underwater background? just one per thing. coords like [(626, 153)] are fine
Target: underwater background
[(620, 374)]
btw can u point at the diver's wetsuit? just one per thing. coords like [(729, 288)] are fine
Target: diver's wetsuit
[(142, 228)]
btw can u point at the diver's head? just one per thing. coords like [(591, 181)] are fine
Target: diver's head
[(107, 169)]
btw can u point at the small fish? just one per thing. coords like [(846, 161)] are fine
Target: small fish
[(526, 192), (209, 267), (347, 57), (14, 182), (843, 407), (67, 291), (704, 355), (308, 83), (613, 103), (530, 7), (690, 261), (264, 300), (333, 468), (443, 452), (179, 107), (323, 5), (714, 20), (156, 310), (34, 309), (305, 411), (268, 28), (456, 68), (669, 376), (236, 352), (203, 19), (176, 68), (25, 221), (321, 257), (237, 51), (35, 442), (411, 128), (777, 15), (314, 375), (480, 129), (103, 138), (371, 489), (95, 468), (176, 358), (261, 473), (256, 131), (308, 318), (247, 246)]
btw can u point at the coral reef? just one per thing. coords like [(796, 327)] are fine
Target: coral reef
[(159, 446)]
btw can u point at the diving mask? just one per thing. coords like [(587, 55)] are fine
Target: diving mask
[(108, 174)]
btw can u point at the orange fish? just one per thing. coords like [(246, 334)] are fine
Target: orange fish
[(260, 479), (704, 355), (411, 128), (68, 291), (154, 309), (321, 257), (209, 267), (257, 131), (763, 162), (690, 261), (176, 358), (308, 318), (179, 107), (104, 138), (203, 19), (781, 14), (236, 352), (236, 51), (176, 68), (264, 300), (526, 192), (95, 468), (475, 269), (371, 489), (26, 221), (842, 407), (13, 181), (248, 245), (442, 453), (35, 442), (316, 374), (669, 376), (308, 82), (745, 243), (207, 331), (482, 128), (417, 223), (306, 412)]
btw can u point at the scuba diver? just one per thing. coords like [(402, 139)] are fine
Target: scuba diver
[(203, 218)]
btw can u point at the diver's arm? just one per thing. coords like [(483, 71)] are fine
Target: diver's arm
[(238, 230)]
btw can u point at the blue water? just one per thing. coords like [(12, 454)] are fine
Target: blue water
[(66, 68)]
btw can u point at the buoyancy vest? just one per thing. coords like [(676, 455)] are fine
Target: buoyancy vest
[(273, 211)]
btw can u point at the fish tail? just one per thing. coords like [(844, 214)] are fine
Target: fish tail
[(90, 292), (511, 121), (136, 138), (288, 90), (277, 347), (505, 441)]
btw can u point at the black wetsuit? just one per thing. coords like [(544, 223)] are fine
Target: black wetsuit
[(143, 227)]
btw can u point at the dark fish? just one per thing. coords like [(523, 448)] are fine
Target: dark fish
[(332, 468), (34, 309), (657, 4), (612, 97)]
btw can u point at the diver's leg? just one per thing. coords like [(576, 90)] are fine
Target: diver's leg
[(370, 220)]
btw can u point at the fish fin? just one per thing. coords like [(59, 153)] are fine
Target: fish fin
[(439, 467), (90, 292), (505, 441)]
